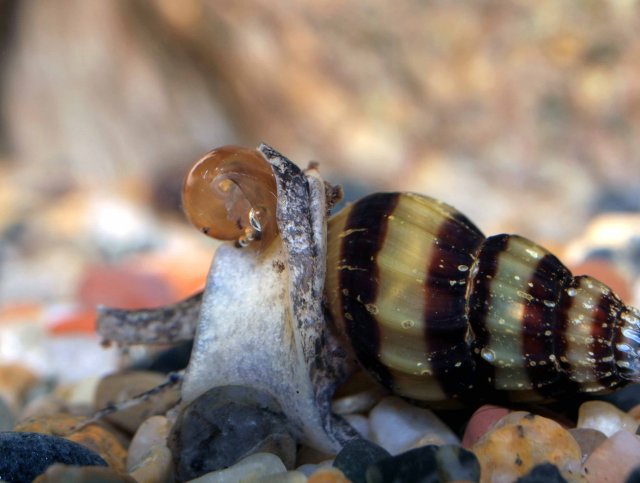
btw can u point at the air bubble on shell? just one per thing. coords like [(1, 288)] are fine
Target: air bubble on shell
[(571, 292), (463, 268), (488, 355), (407, 324), (372, 309), (550, 303), (623, 364)]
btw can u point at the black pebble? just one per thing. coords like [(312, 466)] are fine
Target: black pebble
[(356, 456), (226, 424), (625, 398), (634, 477), (23, 456), (428, 464), (543, 473)]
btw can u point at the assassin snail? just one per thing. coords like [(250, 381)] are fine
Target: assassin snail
[(432, 308)]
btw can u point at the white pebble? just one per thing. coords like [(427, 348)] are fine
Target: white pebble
[(397, 425), (248, 470), (605, 417), (360, 424)]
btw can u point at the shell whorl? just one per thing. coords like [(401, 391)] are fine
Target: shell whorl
[(230, 194), (434, 310)]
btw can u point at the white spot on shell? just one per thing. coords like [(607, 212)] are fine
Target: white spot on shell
[(488, 355)]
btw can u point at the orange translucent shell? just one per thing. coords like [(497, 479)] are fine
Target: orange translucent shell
[(230, 194)]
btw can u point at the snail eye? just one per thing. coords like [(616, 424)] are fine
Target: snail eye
[(230, 194)]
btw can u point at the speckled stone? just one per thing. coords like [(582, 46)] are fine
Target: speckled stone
[(249, 469), (23, 456), (518, 442), (125, 385), (614, 459), (226, 424), (356, 456), (83, 474), (397, 425), (428, 463), (543, 473), (93, 436), (605, 417)]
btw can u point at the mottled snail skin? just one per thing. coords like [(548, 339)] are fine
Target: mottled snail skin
[(435, 311), (230, 194)]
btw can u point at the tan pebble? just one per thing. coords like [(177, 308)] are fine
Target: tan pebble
[(328, 475), (43, 405), (156, 467), (82, 474), (614, 459), (512, 448), (634, 412), (93, 436), (15, 381), (81, 393), (152, 432), (125, 385), (293, 476), (247, 470), (605, 417), (588, 439)]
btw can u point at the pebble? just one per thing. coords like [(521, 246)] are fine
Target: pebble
[(396, 425), (360, 423), (93, 436), (428, 463), (357, 395), (605, 417), (614, 459), (152, 432), (356, 456), (7, 416), (83, 474), (226, 424), (249, 469), (27, 455), (543, 473), (480, 422), (15, 382), (328, 475), (520, 441), (125, 385), (588, 439), (156, 466), (626, 398), (293, 476), (634, 477), (310, 468)]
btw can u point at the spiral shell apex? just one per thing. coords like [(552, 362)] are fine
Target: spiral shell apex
[(230, 194)]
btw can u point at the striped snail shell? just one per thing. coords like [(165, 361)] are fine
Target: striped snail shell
[(432, 308)]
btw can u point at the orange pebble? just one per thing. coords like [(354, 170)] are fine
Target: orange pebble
[(328, 475)]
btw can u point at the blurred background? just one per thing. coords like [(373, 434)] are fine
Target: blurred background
[(524, 115)]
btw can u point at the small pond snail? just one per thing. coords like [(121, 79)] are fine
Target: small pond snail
[(432, 308)]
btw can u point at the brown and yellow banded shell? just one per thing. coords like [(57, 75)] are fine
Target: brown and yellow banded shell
[(434, 310)]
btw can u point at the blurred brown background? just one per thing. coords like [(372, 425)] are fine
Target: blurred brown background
[(524, 115)]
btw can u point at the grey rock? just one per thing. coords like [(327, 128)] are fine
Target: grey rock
[(226, 424)]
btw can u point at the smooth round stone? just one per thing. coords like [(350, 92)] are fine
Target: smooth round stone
[(328, 475), (588, 439), (83, 474), (360, 423), (397, 425), (543, 473), (357, 395), (634, 477), (157, 466), (125, 385), (226, 424), (293, 476), (605, 417), (614, 459), (356, 456), (480, 422), (23, 456), (520, 441), (15, 381), (428, 463), (247, 469), (152, 432), (93, 436)]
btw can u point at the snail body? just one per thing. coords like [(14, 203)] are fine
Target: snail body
[(430, 307)]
